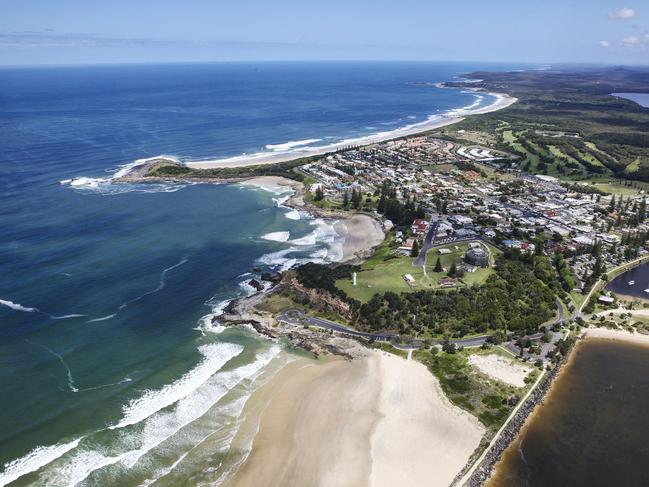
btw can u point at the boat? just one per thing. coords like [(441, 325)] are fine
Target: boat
[(646, 290), (631, 283)]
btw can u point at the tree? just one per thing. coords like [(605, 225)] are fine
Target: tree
[(642, 213), (611, 206), (319, 194), (414, 252), (438, 266), (346, 200), (381, 206), (356, 199), (453, 270)]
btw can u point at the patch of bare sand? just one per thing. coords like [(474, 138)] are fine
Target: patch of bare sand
[(500, 368)]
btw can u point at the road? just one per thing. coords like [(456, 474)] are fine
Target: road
[(298, 318), (428, 242)]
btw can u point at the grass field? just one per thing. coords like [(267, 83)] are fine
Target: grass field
[(384, 272), (616, 189)]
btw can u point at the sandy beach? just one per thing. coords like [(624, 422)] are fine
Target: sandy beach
[(435, 122), (276, 184), (361, 233), (623, 335), (377, 421)]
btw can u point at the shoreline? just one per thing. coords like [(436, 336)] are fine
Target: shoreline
[(616, 335), (361, 232), (485, 471), (338, 422), (478, 474), (434, 122)]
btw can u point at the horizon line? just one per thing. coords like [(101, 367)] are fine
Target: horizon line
[(332, 60)]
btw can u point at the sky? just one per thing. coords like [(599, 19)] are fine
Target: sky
[(35, 32)]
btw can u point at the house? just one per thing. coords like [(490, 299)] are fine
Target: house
[(447, 282), (606, 299), (584, 240), (512, 244), (407, 247), (464, 233), (459, 221), (419, 227), (444, 230)]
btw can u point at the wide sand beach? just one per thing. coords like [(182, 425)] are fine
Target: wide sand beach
[(434, 122), (376, 421)]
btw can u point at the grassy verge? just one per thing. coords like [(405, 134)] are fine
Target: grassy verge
[(490, 400)]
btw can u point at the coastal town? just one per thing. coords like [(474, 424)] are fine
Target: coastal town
[(454, 233), (473, 192), (324, 244)]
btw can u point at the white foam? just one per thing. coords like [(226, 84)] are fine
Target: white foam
[(214, 357), (25, 309), (432, 121), (292, 215), (103, 318), (107, 185), (279, 202), (277, 236), (307, 240), (17, 307), (161, 284), (279, 259), (67, 317), (292, 144), (163, 425), (34, 460), (231, 412)]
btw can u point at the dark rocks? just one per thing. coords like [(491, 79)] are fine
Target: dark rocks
[(271, 277), (256, 284)]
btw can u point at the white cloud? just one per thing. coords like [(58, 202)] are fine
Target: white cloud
[(605, 43), (622, 14), (636, 41)]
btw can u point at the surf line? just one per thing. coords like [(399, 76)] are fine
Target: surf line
[(25, 309), (71, 384), (161, 285)]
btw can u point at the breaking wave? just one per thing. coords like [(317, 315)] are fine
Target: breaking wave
[(277, 236), (291, 145)]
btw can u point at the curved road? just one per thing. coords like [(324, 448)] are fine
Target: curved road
[(298, 318)]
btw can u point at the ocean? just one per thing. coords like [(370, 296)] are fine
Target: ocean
[(591, 429), (112, 370)]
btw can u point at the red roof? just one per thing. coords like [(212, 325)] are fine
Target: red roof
[(420, 224)]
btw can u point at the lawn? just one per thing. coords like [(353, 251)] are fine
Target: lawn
[(634, 166), (384, 272), (617, 189)]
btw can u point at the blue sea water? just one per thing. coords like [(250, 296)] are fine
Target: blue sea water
[(110, 367), (640, 98)]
